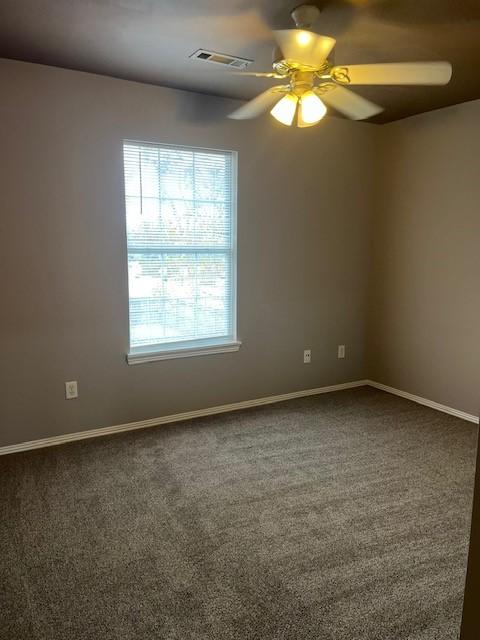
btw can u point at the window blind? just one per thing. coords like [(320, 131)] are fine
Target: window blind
[(180, 238)]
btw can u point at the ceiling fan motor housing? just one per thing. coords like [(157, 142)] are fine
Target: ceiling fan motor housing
[(301, 81)]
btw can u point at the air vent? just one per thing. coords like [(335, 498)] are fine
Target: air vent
[(221, 58)]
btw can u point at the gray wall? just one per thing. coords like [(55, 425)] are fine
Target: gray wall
[(304, 203), (425, 286), (348, 233)]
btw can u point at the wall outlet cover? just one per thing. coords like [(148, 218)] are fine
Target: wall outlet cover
[(71, 390)]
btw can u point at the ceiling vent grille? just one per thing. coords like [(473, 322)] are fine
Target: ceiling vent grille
[(221, 58)]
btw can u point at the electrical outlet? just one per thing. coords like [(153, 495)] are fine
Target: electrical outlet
[(71, 390), (341, 351), (307, 356)]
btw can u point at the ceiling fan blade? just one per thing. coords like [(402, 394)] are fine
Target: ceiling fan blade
[(262, 103), (255, 74), (426, 73), (304, 46), (350, 104)]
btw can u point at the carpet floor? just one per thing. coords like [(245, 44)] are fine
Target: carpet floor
[(338, 517)]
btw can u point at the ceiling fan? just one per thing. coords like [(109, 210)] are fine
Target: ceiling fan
[(312, 82)]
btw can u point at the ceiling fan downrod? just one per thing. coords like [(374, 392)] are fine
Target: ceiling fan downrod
[(305, 15)]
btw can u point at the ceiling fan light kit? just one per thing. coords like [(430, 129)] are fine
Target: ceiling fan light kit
[(306, 109), (313, 83)]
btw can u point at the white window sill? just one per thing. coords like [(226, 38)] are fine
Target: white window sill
[(140, 357)]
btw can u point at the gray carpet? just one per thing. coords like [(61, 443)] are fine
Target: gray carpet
[(337, 517)]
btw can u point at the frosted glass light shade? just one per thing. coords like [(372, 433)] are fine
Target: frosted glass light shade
[(311, 109), (284, 110)]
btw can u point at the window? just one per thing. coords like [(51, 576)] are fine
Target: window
[(180, 206)]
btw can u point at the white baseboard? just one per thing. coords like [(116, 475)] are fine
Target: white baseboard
[(177, 417), (236, 406), (428, 403)]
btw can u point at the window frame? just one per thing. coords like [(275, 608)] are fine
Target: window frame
[(206, 346)]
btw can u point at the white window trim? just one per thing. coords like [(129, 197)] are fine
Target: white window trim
[(140, 357), (209, 346)]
